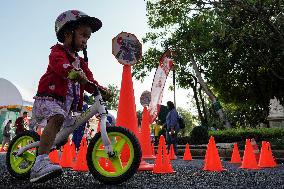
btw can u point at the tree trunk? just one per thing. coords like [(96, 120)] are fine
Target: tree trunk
[(213, 98), (195, 95), (203, 106)]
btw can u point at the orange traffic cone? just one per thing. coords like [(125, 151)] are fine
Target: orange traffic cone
[(162, 162), (266, 158), (249, 160), (271, 155), (236, 158), (145, 141), (187, 155), (53, 156), (255, 149), (212, 159), (145, 138), (171, 154), (153, 149), (66, 156), (73, 151), (126, 113), (81, 163)]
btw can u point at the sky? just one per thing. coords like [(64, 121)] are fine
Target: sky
[(27, 33)]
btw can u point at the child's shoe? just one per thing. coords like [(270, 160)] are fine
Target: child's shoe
[(44, 170)]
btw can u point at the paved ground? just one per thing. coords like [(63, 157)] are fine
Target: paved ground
[(188, 175)]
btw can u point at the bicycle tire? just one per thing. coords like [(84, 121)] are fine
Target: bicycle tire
[(127, 171), (17, 172)]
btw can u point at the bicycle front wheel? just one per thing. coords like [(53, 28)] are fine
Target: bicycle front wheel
[(124, 164), (20, 167)]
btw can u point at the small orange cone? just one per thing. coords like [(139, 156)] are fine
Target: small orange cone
[(81, 163), (66, 156), (266, 158), (162, 163), (171, 154), (212, 159), (53, 156), (249, 160), (187, 155), (73, 151), (255, 149), (236, 158), (272, 159)]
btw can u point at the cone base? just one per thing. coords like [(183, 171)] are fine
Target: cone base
[(187, 159), (144, 166), (149, 157), (267, 166)]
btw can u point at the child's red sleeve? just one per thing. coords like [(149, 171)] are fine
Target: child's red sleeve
[(59, 63)]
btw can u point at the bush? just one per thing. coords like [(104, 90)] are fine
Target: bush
[(235, 135), (199, 135)]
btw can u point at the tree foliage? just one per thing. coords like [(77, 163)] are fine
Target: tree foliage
[(239, 46), (113, 105)]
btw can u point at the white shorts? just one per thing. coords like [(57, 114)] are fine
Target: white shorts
[(46, 107)]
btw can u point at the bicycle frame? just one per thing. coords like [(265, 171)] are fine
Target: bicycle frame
[(97, 108)]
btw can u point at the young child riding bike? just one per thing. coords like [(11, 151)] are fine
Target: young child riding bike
[(57, 95)]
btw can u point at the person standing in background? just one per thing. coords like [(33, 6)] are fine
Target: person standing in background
[(20, 123), (6, 134)]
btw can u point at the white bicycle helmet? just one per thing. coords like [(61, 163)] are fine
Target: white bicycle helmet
[(71, 18)]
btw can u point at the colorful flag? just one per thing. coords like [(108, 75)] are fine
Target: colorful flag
[(165, 66)]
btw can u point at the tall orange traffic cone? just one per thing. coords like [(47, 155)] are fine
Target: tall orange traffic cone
[(266, 158), (66, 156), (236, 158), (53, 156), (126, 113), (212, 159), (255, 149), (81, 163), (187, 155), (145, 138), (162, 162), (249, 160), (171, 153)]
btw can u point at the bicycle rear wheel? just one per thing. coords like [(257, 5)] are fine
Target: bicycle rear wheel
[(121, 167), (20, 167)]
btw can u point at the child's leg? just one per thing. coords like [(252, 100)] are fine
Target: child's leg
[(49, 133)]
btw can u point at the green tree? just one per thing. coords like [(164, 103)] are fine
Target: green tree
[(189, 120), (113, 105), (238, 47)]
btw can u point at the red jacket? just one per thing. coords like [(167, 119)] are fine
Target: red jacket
[(54, 82)]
